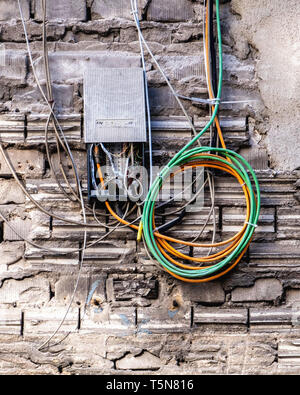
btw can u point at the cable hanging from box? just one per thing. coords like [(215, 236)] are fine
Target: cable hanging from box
[(216, 265)]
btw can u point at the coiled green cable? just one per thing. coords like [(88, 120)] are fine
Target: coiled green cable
[(226, 159)]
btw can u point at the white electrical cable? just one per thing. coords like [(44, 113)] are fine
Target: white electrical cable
[(135, 14), (134, 7), (75, 169)]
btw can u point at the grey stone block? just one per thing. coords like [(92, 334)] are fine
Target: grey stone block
[(70, 124), (293, 297), (220, 316), (288, 222), (277, 316), (264, 290), (131, 287), (11, 252), (62, 10), (289, 354), (278, 255), (10, 322), (10, 192), (13, 67), (90, 290), (68, 66), (114, 9), (164, 319), (30, 163), (22, 226), (28, 291), (119, 321), (170, 11), (45, 320), (9, 9), (208, 293), (12, 128), (144, 361)]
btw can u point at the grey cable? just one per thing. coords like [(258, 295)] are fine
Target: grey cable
[(134, 8)]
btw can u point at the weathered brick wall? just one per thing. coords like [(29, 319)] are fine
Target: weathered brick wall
[(139, 319)]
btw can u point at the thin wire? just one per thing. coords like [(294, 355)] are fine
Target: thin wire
[(42, 346), (161, 71), (134, 7), (77, 178), (136, 18)]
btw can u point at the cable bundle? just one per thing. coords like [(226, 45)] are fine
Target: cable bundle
[(218, 264)]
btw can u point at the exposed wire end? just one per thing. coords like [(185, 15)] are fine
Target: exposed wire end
[(140, 232)]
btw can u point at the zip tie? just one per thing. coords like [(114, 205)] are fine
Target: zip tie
[(199, 100), (215, 101), (254, 225)]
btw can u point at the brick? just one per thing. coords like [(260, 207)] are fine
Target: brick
[(267, 290), (220, 316), (194, 221), (278, 255), (10, 322), (38, 225), (80, 161), (170, 11), (22, 226), (12, 128), (292, 296), (131, 287), (117, 321), (234, 68), (70, 124), (275, 191), (116, 9), (234, 130), (288, 222), (112, 254), (28, 291), (10, 192), (14, 69), (164, 319), (182, 67), (56, 260), (9, 9), (30, 98), (11, 253), (30, 163), (208, 293), (257, 157), (66, 10), (278, 316), (45, 320), (289, 354), (145, 361), (91, 289), (69, 66)]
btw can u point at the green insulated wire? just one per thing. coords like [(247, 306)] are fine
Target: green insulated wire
[(188, 155)]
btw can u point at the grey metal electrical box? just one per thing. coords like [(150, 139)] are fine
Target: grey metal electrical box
[(114, 106)]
